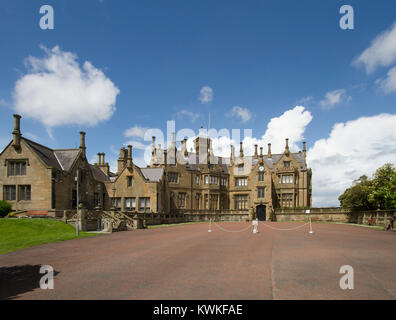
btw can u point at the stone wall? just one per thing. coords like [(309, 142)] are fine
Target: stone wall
[(375, 217)]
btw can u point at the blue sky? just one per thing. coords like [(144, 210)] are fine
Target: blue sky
[(262, 57)]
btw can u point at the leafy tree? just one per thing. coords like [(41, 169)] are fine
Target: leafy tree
[(357, 196), (5, 208), (377, 193), (383, 189)]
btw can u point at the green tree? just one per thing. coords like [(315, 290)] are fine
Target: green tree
[(5, 208), (383, 187), (357, 196)]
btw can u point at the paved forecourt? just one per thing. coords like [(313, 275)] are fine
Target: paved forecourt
[(188, 262)]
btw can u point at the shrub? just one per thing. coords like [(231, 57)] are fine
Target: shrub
[(5, 208)]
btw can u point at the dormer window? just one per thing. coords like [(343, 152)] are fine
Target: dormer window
[(286, 164)]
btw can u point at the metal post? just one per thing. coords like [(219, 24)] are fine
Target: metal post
[(77, 216)]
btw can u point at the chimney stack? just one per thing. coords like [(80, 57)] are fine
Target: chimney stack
[(121, 160), (232, 154), (261, 155), (269, 151), (255, 151), (240, 150), (99, 159), (16, 134), (305, 151), (82, 141), (184, 143), (287, 147), (129, 159)]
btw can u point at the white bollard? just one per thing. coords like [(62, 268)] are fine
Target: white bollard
[(210, 225), (255, 226), (310, 226)]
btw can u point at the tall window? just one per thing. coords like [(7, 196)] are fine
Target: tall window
[(241, 201), (206, 179), (181, 199), (224, 182), (214, 180), (129, 181), (197, 179), (213, 199), (10, 193), (17, 168), (260, 192), (287, 200), (261, 176), (116, 203), (173, 177), (241, 182), (198, 197), (144, 204), (96, 199), (286, 164), (286, 179), (130, 204)]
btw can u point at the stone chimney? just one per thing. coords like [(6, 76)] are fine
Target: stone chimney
[(241, 149), (104, 166), (287, 146), (232, 154), (184, 147), (261, 155), (16, 134), (153, 152), (121, 160), (255, 151), (99, 159), (305, 151), (269, 151), (129, 159)]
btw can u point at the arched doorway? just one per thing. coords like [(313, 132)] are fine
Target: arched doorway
[(260, 211)]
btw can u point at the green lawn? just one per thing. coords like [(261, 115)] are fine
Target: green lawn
[(16, 234)]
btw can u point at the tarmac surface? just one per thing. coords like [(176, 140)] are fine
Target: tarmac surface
[(188, 262)]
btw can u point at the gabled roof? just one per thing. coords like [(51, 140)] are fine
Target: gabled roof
[(98, 174), (62, 159), (152, 174)]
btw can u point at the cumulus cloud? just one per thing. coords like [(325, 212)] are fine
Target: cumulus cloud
[(240, 113), (388, 85), (136, 144), (136, 131), (56, 90), (334, 97), (206, 94), (291, 124), (189, 114), (381, 53), (352, 149)]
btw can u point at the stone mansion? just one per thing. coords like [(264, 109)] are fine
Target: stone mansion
[(36, 178)]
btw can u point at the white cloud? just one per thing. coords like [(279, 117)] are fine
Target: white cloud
[(388, 85), (240, 113), (206, 94), (306, 100), (334, 97), (352, 149), (4, 103), (381, 53), (136, 131), (189, 114), (291, 124), (56, 91), (136, 145)]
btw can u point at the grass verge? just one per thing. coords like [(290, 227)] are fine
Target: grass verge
[(17, 234)]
